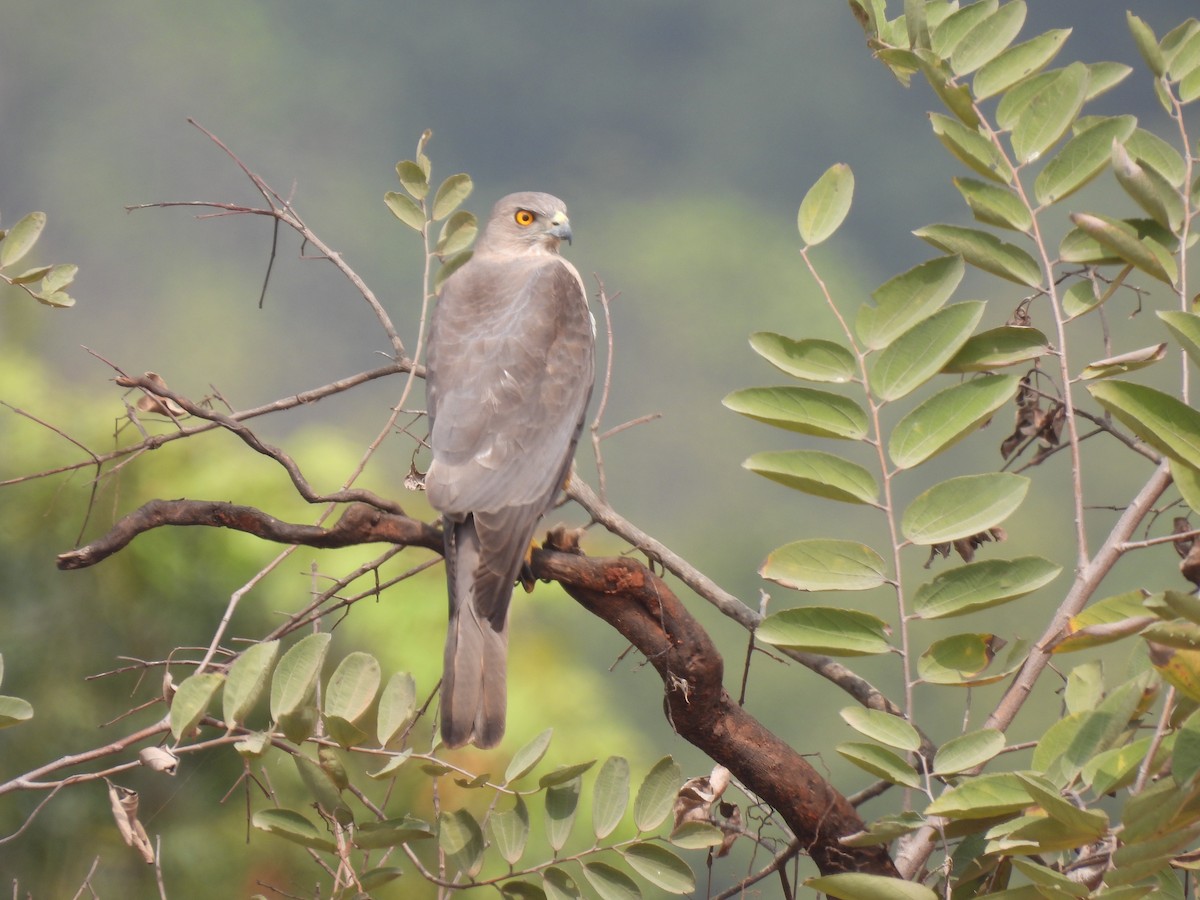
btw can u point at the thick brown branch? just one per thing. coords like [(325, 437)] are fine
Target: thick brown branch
[(639, 605), (359, 524)]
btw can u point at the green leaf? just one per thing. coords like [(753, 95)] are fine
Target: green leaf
[(449, 266), (907, 299), (984, 251), (510, 831), (979, 585), (1167, 424), (811, 359), (56, 299), (823, 629), (963, 506), (414, 178), (527, 757), (611, 796), (1181, 50), (58, 277), (1147, 44), (404, 209), (20, 239), (461, 839), (562, 800), (697, 836), (1151, 150), (1081, 632), (1125, 362), (563, 774), (947, 417), (656, 794), (1117, 767), (804, 410), (1185, 761), (295, 680), (14, 710), (352, 687), (988, 38), (996, 348), (1150, 190), (191, 701), (881, 762), (246, 680), (397, 706), (1081, 159), (29, 276), (1016, 98), (1122, 240), (983, 797), (967, 751), (320, 785), (971, 148), (292, 826), (457, 234), (521, 890), (610, 883), (558, 885), (825, 565), (391, 833), (817, 473), (994, 204), (956, 26), (883, 727), (1018, 63), (921, 352), (1081, 297), (1049, 113), (1185, 326), (962, 660), (450, 195), (860, 886), (660, 867), (1187, 482), (956, 97), (826, 204)]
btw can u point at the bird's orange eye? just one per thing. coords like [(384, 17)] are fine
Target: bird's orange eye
[(524, 218)]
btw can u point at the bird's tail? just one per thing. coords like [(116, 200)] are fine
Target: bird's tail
[(482, 561)]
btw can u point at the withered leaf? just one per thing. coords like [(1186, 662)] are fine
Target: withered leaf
[(124, 804)]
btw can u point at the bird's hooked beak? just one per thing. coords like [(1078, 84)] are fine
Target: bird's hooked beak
[(560, 227)]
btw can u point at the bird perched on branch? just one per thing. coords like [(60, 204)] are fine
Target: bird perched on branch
[(509, 372)]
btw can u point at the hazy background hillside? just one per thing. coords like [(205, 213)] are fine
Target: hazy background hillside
[(682, 135)]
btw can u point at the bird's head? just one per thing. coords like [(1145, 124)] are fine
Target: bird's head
[(529, 222)]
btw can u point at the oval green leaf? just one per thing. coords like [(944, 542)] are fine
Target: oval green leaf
[(881, 762), (1018, 63), (1081, 159), (1149, 190), (563, 774), (919, 353), (983, 798), (804, 410), (956, 26), (510, 831), (860, 886), (246, 680), (971, 148), (1185, 326), (995, 204), (352, 686), (405, 209), (457, 234), (908, 298), (1147, 44), (1125, 362), (397, 705), (817, 473), (528, 756), (656, 794), (611, 883), (191, 701), (1049, 113), (1151, 150), (826, 204), (461, 839), (810, 359), (697, 836), (14, 710), (291, 826), (988, 37), (562, 800), (996, 348), (967, 751), (960, 659), (979, 585), (1167, 424), (963, 506), (1122, 240), (19, 239), (947, 417), (823, 629), (450, 195), (558, 885), (390, 833), (610, 796), (660, 867), (295, 680), (450, 265), (825, 565), (984, 251), (883, 727)]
